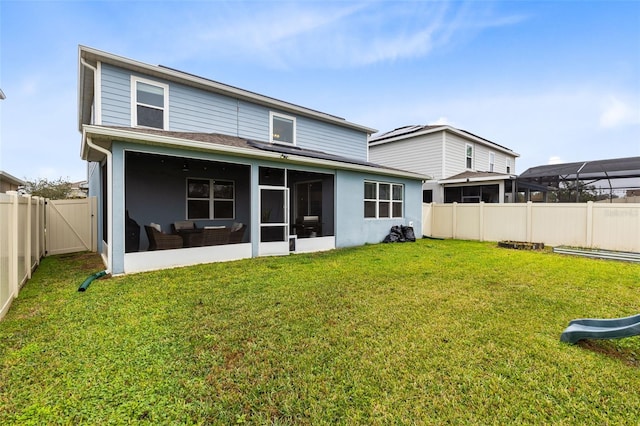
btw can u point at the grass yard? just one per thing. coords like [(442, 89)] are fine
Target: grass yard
[(434, 332)]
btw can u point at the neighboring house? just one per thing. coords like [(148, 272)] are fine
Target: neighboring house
[(9, 183), (79, 189), (464, 168), (174, 149)]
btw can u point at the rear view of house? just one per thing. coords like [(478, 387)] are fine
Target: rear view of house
[(464, 168), (189, 170)]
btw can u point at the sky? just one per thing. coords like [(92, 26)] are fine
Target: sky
[(555, 81)]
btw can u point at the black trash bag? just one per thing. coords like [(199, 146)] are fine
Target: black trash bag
[(395, 235), (408, 233)]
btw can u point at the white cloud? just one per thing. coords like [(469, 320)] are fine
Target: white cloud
[(337, 34), (555, 160), (618, 113)]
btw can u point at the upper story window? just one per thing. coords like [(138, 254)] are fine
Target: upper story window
[(492, 161), (149, 103), (282, 128), (508, 165), (469, 156), (382, 200)]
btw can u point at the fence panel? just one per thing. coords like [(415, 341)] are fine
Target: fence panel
[(503, 222), (21, 243), (588, 225), (70, 226), (617, 225)]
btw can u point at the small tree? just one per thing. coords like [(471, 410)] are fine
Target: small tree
[(571, 192), (53, 189)]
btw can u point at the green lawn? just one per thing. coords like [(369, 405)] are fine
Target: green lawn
[(434, 332)]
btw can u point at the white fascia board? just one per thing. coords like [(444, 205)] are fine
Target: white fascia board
[(447, 128), (161, 140), (91, 54), (478, 179)]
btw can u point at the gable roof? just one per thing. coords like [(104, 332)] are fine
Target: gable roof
[(228, 145), (89, 57), (407, 132)]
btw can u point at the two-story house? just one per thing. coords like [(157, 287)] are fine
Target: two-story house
[(189, 170), (463, 167)]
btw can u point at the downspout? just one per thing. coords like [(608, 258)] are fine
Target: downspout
[(107, 153)]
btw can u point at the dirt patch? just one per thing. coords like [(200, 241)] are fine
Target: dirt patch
[(610, 349)]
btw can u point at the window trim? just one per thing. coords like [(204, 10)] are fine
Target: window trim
[(508, 165), (468, 159), (210, 198), (273, 114), (492, 161), (377, 199), (134, 102)]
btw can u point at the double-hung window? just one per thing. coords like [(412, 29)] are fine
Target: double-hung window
[(149, 103), (469, 156), (282, 128), (383, 200), (492, 161), (210, 199)]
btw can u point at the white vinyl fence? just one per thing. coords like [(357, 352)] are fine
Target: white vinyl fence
[(22, 243), (606, 226), (32, 227)]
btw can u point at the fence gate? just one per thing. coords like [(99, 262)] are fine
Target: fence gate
[(71, 226)]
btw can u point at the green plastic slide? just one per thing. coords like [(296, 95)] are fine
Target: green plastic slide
[(593, 328)]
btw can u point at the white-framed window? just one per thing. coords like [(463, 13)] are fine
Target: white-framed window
[(383, 200), (282, 128), (210, 199), (469, 156), (492, 161), (149, 103), (508, 165)]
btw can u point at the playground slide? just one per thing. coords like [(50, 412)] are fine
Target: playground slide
[(593, 328)]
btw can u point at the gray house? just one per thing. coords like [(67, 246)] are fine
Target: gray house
[(464, 167), (189, 170)]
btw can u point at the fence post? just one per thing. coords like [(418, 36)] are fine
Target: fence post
[(454, 221), (481, 219), (589, 224), (27, 239), (13, 245), (529, 221)]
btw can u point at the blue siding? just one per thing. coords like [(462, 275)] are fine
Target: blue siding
[(196, 110), (352, 228), (330, 138), (116, 96)]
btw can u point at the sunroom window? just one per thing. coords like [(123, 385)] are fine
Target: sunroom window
[(282, 129), (149, 107)]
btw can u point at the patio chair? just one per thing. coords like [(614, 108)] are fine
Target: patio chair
[(161, 241), (237, 233), (215, 236)]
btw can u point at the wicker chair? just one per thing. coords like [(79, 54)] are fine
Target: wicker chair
[(215, 236), (237, 236), (161, 241)]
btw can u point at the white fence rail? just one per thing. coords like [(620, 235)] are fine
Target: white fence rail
[(22, 243), (589, 225)]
